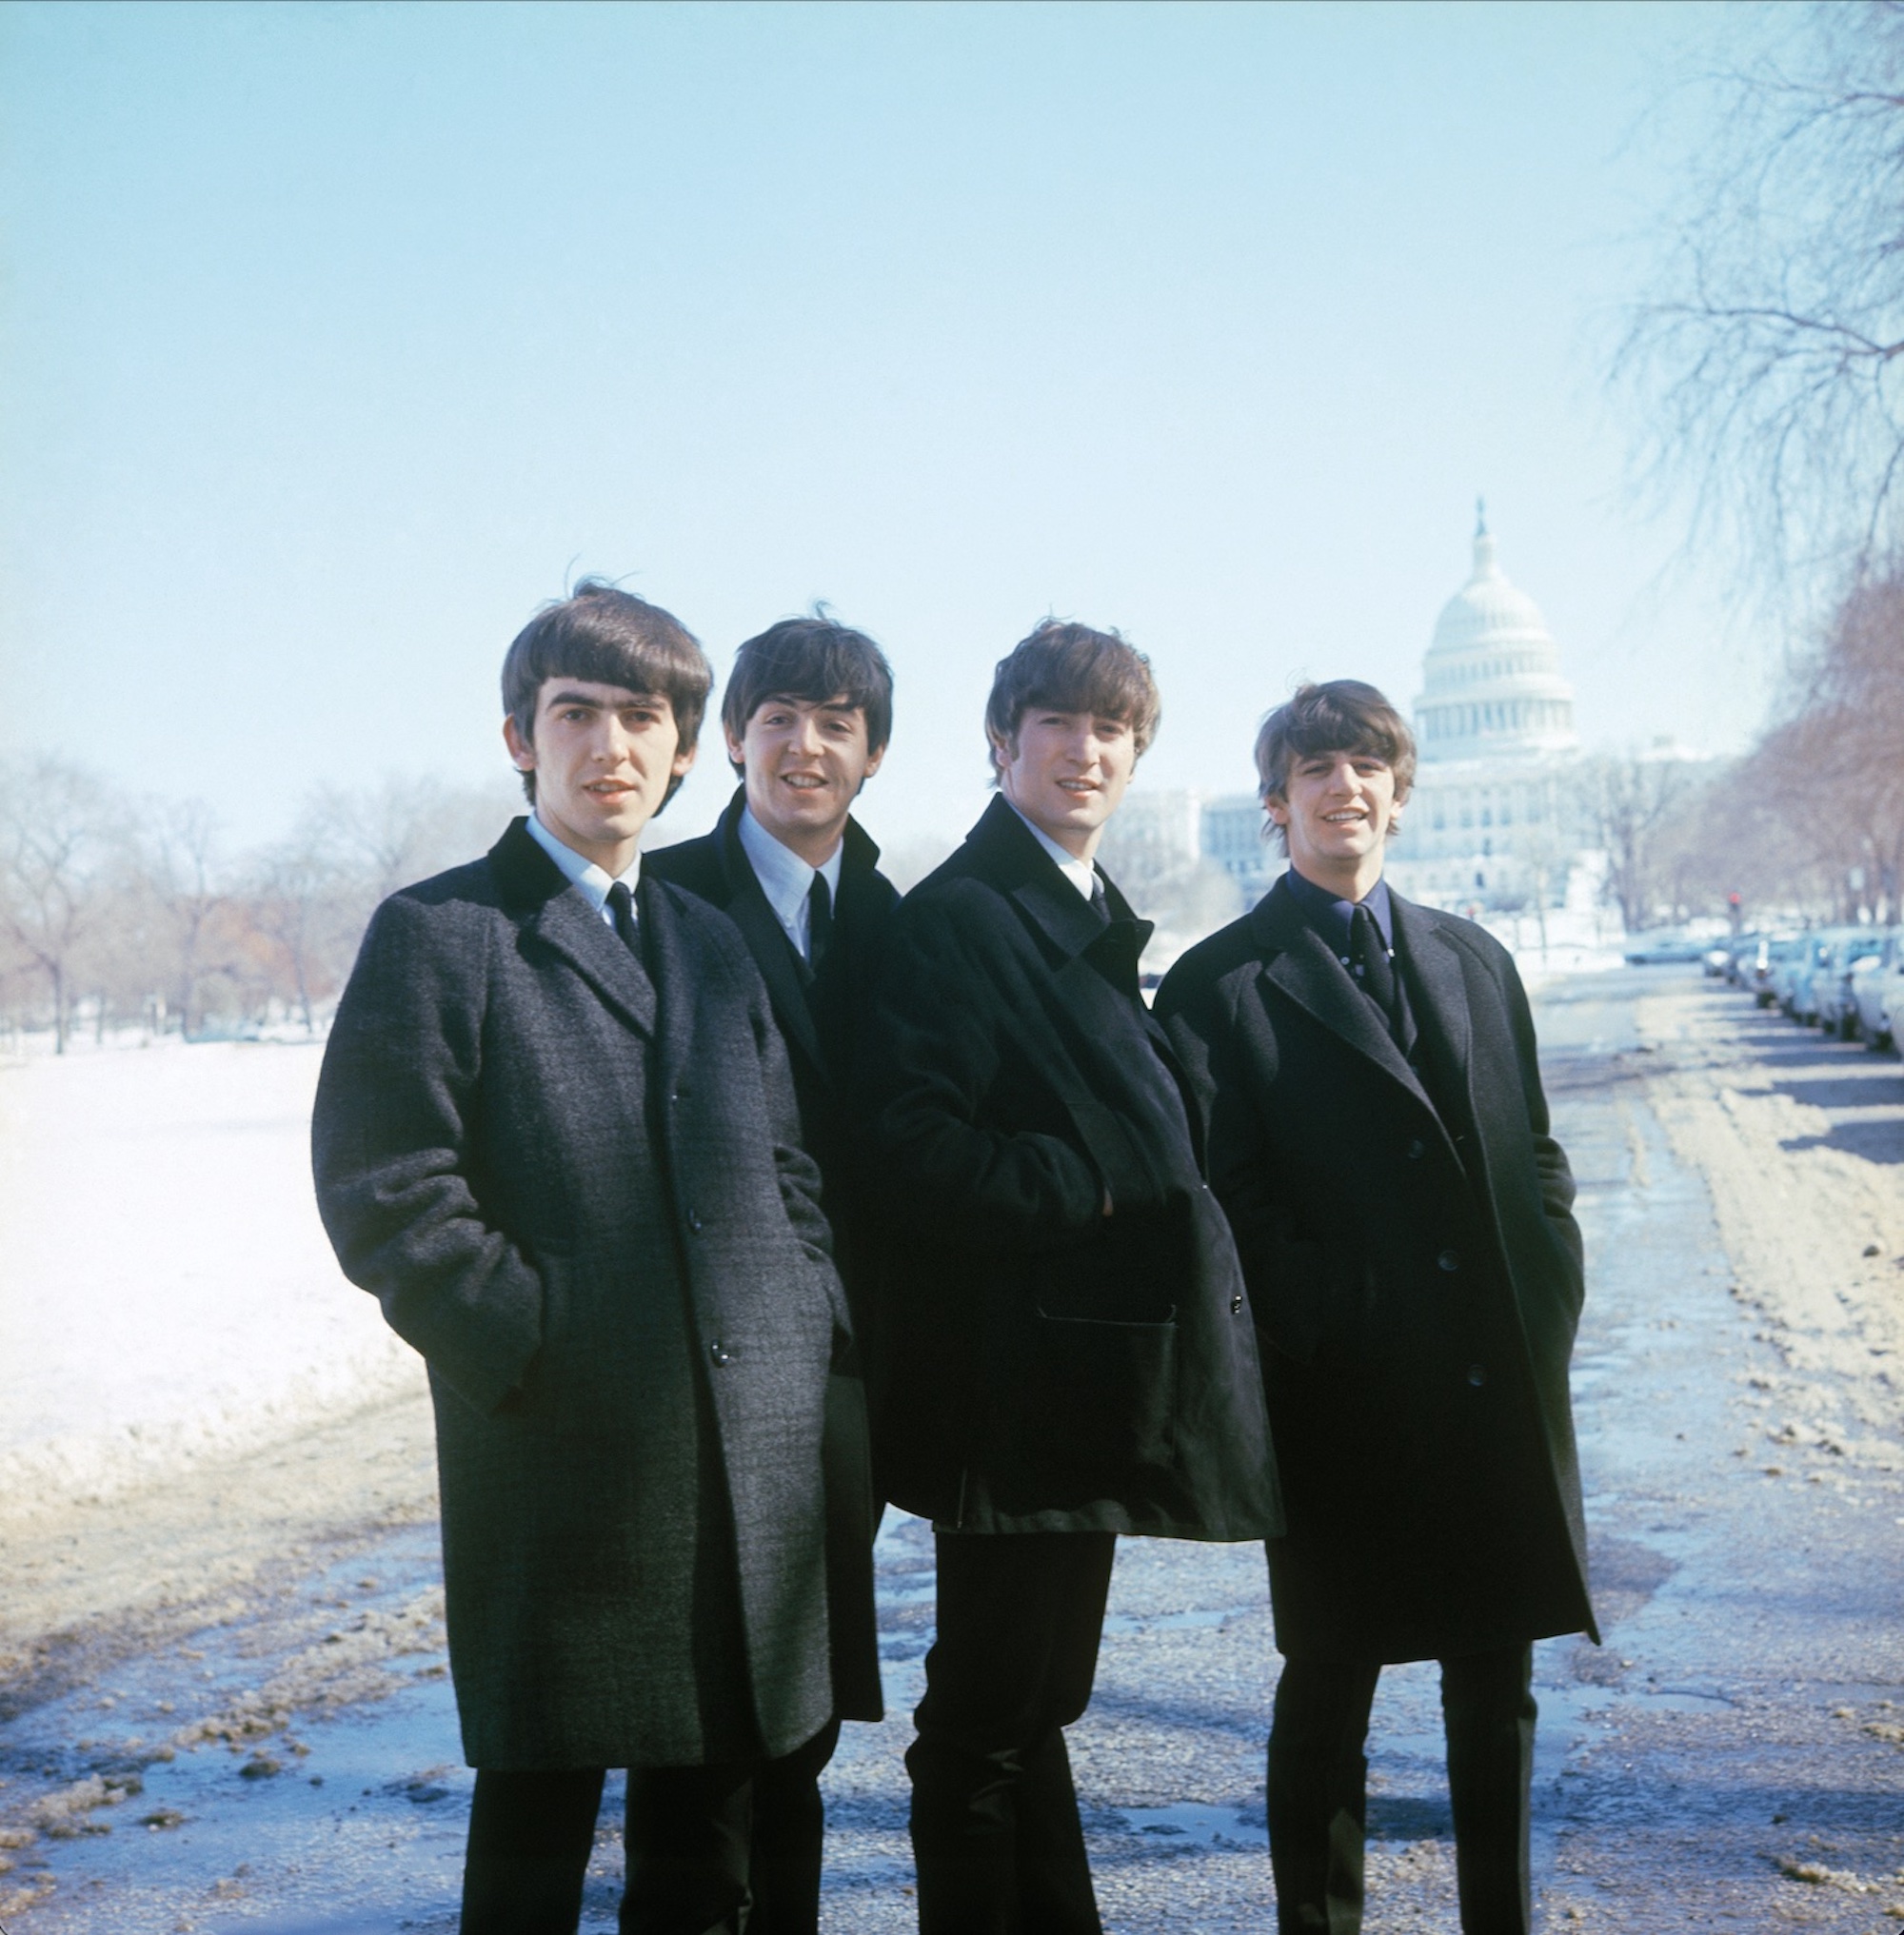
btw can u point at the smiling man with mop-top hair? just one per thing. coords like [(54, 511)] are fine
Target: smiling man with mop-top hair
[(555, 1135), (1380, 1140), (1069, 1347)]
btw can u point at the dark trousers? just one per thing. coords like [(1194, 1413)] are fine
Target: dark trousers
[(707, 1848), (995, 1828), (1318, 1789)]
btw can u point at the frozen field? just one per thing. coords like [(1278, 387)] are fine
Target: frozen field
[(166, 1288)]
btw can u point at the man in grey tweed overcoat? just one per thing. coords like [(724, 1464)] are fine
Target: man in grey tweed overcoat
[(555, 1135)]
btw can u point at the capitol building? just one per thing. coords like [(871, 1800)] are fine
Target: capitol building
[(1497, 817)]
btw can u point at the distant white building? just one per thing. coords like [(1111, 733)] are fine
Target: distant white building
[(1500, 814)]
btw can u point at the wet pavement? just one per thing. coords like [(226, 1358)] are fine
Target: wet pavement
[(1732, 1757)]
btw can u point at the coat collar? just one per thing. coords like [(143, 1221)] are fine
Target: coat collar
[(1295, 960), (1002, 847), (1434, 962), (533, 890), (781, 968)]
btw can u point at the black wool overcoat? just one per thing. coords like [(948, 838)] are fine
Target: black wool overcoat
[(1416, 1272), (1052, 1369), (821, 1017), (577, 1189)]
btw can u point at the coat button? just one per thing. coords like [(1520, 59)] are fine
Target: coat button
[(1417, 1150), (1478, 1375), (1237, 1306), (720, 1353), (1448, 1259), (694, 1222)]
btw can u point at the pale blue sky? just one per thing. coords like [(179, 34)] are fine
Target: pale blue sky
[(338, 337)]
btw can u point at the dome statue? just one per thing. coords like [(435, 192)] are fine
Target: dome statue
[(1491, 681)]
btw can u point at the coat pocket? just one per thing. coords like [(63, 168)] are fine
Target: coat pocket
[(1105, 1395)]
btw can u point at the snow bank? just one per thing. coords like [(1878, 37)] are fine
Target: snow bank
[(167, 1293)]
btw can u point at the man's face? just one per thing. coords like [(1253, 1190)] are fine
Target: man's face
[(603, 758), (805, 763), (1066, 773), (1338, 810)]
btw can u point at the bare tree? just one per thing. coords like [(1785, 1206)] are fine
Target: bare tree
[(295, 907), (1770, 360), (176, 863), (1631, 798), (53, 857)]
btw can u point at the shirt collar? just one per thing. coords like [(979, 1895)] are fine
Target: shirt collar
[(1330, 914), (591, 881), (1079, 873), (786, 879)]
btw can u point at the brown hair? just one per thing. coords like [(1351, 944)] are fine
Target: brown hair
[(816, 659), (1344, 716), (609, 638), (1072, 668)]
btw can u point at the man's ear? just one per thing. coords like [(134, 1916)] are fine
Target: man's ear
[(684, 758), (1276, 807), (1004, 752), (521, 749)]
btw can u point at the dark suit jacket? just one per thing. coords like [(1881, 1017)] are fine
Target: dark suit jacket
[(578, 1190), (820, 1017), (1053, 1368), (1407, 1235)]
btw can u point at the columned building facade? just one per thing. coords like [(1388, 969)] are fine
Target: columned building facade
[(1496, 818)]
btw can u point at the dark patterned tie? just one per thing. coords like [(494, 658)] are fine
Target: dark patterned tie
[(1101, 904), (1370, 963), (819, 922), (622, 904)]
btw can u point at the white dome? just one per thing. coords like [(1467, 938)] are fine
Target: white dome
[(1491, 681)]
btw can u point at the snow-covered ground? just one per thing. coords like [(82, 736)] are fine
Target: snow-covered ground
[(166, 1288)]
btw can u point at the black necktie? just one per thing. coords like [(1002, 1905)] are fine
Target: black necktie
[(819, 922), (1101, 904), (1371, 966), (622, 904)]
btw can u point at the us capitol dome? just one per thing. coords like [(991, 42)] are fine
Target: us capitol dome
[(1495, 816), (1491, 682)]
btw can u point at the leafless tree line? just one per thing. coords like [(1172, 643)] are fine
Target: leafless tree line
[(1809, 824), (112, 917)]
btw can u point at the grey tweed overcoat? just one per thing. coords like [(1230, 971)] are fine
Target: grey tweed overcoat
[(576, 1188)]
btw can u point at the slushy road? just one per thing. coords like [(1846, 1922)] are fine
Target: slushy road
[(267, 1743)]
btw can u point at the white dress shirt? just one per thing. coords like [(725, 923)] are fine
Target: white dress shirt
[(1082, 873), (591, 881), (787, 880)]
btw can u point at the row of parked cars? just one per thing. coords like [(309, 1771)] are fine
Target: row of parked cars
[(1847, 981)]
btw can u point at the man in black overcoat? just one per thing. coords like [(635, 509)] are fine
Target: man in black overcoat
[(1070, 1348), (555, 1135), (1380, 1140), (807, 714)]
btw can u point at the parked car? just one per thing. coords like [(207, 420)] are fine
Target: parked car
[(1741, 953), (1800, 999), (1831, 985), (1650, 949), (1719, 959), (1872, 981), (1890, 1003), (1772, 964)]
